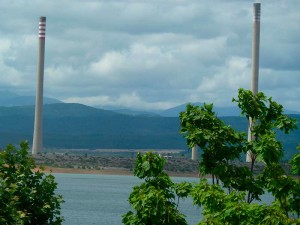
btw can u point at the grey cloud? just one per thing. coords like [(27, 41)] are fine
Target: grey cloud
[(152, 53)]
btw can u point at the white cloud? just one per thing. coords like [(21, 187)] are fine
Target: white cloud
[(60, 75), (131, 100), (150, 54), (137, 58), (220, 86), (9, 75), (4, 46)]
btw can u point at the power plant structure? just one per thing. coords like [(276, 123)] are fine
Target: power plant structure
[(37, 145), (195, 153), (255, 65)]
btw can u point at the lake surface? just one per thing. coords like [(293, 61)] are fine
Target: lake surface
[(102, 199)]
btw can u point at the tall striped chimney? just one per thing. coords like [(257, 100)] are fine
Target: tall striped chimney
[(255, 65), (37, 145)]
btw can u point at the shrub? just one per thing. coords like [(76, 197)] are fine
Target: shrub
[(154, 200), (26, 197)]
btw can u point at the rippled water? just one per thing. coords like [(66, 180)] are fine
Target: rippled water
[(102, 199)]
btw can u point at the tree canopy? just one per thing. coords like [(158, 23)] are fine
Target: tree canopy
[(27, 196), (223, 146), (234, 195), (154, 200)]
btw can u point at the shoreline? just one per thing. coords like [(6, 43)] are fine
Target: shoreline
[(106, 171), (114, 171)]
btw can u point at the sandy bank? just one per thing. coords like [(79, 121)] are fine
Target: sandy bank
[(108, 171)]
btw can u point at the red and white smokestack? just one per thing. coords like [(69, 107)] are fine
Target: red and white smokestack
[(255, 66), (37, 145), (42, 28)]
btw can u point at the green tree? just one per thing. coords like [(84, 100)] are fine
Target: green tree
[(222, 146), (220, 207), (26, 197), (295, 162), (154, 201), (220, 143)]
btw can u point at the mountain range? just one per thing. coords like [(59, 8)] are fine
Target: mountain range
[(77, 126), (12, 99), (220, 111)]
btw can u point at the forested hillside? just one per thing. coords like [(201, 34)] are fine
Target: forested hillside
[(79, 126)]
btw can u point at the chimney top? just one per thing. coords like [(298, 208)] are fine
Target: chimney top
[(256, 12)]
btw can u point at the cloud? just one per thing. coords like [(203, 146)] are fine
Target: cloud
[(9, 75), (139, 58), (131, 100), (224, 81), (150, 54)]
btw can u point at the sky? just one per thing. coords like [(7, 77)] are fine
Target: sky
[(150, 54)]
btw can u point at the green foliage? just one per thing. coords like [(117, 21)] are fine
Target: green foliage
[(222, 146), (148, 166), (222, 208), (220, 143), (267, 117), (26, 197), (154, 200), (295, 162)]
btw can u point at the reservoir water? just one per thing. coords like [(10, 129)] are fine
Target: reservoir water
[(102, 199)]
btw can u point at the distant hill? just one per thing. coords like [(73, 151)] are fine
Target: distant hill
[(220, 111), (80, 126), (174, 111), (75, 126), (12, 99), (131, 112)]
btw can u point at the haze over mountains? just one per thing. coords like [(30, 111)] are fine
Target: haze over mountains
[(71, 125), (12, 99), (220, 111)]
